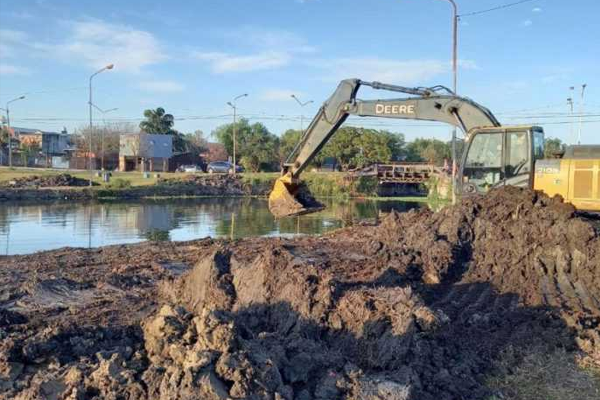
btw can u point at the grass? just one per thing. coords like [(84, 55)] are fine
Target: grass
[(545, 376)]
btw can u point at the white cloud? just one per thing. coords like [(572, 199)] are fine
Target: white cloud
[(271, 40), (11, 41), (12, 36), (97, 43), (20, 15), (264, 49), (537, 10), (224, 62), (408, 72), (527, 23), (162, 86), (278, 95), (7, 69)]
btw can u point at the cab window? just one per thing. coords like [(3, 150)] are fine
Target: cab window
[(538, 145), (517, 154), (483, 165), (485, 151)]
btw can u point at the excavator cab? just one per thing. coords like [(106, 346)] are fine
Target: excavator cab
[(498, 156)]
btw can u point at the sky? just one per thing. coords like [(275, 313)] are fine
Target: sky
[(192, 57)]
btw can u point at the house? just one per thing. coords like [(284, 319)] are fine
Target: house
[(145, 152), (49, 145)]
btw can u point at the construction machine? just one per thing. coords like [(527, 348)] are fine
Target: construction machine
[(494, 155)]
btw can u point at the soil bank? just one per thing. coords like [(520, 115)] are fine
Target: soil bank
[(420, 307)]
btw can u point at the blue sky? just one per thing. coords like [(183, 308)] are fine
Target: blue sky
[(191, 57)]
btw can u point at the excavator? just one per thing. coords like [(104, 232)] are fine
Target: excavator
[(494, 155)]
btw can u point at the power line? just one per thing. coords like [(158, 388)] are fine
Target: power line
[(495, 8), (46, 91)]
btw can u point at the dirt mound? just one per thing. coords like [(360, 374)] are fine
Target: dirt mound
[(217, 185), (60, 180), (445, 293), (520, 242), (422, 306)]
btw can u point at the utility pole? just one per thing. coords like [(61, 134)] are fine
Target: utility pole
[(233, 105), (301, 112), (571, 101), (581, 104), (454, 85), (109, 66), (8, 128)]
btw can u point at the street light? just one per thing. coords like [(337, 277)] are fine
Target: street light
[(109, 66), (8, 128), (581, 113), (234, 106), (301, 114), (454, 79), (104, 112), (570, 103)]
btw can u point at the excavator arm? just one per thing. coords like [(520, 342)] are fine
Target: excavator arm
[(430, 104)]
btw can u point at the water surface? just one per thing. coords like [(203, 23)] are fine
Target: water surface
[(30, 228)]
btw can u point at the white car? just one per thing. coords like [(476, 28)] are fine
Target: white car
[(192, 168)]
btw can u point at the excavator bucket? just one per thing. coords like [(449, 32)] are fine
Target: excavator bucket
[(290, 198)]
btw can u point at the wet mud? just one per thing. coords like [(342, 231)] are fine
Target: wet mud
[(60, 180), (421, 306)]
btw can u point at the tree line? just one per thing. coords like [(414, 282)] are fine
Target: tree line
[(257, 149)]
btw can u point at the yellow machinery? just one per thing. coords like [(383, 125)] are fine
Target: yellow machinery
[(575, 176), (494, 155)]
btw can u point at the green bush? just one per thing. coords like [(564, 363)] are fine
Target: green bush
[(119, 183)]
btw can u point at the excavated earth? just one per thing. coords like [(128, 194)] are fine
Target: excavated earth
[(419, 307), (59, 180)]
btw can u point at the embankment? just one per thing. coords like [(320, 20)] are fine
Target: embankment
[(322, 185), (423, 306)]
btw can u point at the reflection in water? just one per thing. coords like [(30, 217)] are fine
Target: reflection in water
[(30, 228)]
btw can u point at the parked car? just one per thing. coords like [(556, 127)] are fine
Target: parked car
[(222, 167), (189, 168)]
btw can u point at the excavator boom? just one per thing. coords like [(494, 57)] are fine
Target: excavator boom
[(431, 104)]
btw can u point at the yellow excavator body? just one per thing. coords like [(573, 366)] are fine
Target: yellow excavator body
[(577, 180)]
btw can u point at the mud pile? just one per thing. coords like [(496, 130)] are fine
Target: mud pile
[(60, 180), (420, 307), (216, 185), (428, 304)]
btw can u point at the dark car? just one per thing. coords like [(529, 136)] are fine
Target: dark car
[(222, 167)]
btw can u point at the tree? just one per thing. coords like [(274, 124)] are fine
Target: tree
[(359, 147), (28, 150), (195, 143), (157, 122), (257, 149), (287, 143), (111, 133), (553, 146), (4, 137), (432, 151)]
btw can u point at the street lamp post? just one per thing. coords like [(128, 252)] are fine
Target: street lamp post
[(109, 66), (581, 113), (8, 128), (233, 105), (104, 112), (454, 84), (301, 113), (570, 103)]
